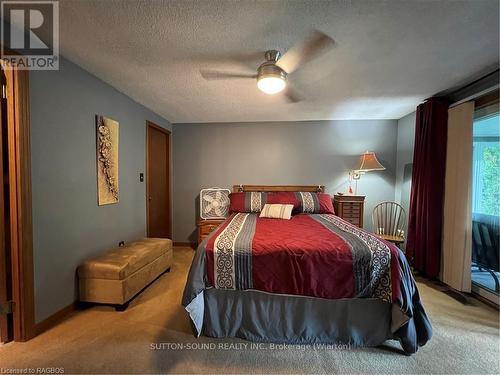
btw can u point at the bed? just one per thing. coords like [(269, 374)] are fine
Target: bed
[(313, 279)]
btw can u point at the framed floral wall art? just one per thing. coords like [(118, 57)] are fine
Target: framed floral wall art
[(107, 160)]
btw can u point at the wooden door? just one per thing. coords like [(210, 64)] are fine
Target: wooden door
[(158, 182), (16, 245), (5, 274)]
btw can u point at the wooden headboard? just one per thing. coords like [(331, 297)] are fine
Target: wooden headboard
[(311, 188)]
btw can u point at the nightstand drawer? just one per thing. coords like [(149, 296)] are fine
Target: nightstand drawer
[(350, 205), (349, 208), (205, 227), (347, 216)]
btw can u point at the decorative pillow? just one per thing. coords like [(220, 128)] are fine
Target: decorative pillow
[(247, 201), (277, 211), (284, 197), (302, 202), (315, 203)]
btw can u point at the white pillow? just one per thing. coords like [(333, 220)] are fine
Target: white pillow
[(277, 211)]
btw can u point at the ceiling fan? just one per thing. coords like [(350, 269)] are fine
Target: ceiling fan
[(272, 74)]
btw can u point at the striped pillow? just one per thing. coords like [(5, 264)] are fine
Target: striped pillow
[(247, 201), (277, 211), (314, 203)]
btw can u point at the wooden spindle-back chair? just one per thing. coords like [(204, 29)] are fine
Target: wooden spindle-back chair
[(389, 222)]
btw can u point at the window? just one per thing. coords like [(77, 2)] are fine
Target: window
[(486, 201), (486, 166)]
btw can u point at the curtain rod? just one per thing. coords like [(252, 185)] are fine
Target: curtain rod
[(479, 87), (476, 95)]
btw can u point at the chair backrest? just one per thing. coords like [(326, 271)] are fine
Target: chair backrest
[(389, 218), (485, 251)]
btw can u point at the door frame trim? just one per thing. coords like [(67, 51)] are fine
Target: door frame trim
[(20, 198), (150, 124)]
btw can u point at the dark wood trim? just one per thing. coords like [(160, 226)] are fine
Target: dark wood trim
[(5, 282), (56, 318), (270, 188), (149, 124), (185, 244), (19, 153), (486, 100), (158, 127)]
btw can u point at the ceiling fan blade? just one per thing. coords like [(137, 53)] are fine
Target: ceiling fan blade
[(251, 60), (316, 44), (211, 75), (292, 95)]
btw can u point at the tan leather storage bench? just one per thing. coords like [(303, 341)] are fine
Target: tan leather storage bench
[(119, 274)]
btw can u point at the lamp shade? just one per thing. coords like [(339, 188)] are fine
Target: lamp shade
[(369, 162)]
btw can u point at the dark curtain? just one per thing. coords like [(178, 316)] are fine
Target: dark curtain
[(425, 220)]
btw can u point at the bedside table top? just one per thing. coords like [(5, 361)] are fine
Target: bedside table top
[(210, 221), (348, 198)]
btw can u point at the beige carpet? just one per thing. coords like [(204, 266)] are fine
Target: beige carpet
[(100, 340)]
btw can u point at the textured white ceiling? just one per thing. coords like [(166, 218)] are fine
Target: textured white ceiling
[(389, 55)]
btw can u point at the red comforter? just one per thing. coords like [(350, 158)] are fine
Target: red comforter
[(311, 255)]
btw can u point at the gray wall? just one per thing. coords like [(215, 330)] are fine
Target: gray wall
[(68, 225), (405, 141), (316, 152)]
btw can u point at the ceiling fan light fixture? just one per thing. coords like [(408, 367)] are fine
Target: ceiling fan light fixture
[(271, 84), (271, 79)]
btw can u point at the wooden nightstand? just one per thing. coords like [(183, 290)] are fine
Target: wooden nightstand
[(207, 226), (350, 208)]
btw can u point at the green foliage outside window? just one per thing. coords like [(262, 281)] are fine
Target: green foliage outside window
[(491, 180)]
